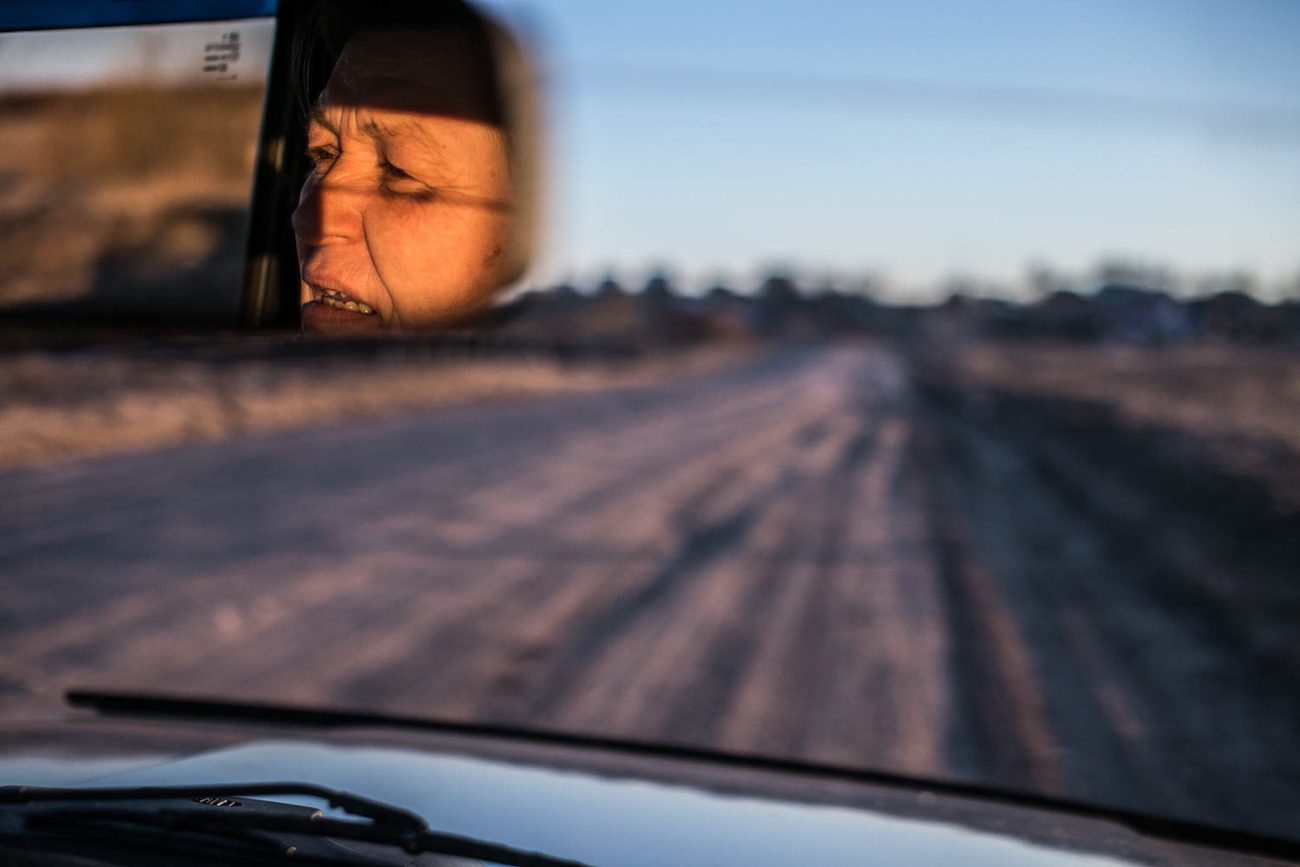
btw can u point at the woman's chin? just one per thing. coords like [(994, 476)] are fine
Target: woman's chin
[(318, 316)]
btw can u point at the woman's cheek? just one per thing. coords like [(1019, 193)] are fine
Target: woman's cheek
[(436, 261), (396, 235), (405, 249)]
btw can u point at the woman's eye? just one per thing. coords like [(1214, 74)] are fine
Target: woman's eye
[(392, 172), (320, 154), (398, 181)]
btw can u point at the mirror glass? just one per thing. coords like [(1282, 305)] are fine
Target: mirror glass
[(414, 210)]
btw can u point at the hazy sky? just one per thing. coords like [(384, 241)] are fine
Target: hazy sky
[(921, 139)]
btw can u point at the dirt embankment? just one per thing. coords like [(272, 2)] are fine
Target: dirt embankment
[(1238, 407)]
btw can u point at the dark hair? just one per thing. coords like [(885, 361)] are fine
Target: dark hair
[(329, 25)]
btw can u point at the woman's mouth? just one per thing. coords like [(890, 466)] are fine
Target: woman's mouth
[(336, 310), (341, 301)]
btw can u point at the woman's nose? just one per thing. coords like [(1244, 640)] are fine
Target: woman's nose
[(329, 211)]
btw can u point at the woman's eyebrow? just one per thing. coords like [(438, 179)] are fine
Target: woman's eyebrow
[(320, 116), (375, 129)]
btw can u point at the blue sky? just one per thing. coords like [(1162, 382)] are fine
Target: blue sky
[(692, 136)]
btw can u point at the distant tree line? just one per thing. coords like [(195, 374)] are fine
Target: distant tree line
[(1124, 301)]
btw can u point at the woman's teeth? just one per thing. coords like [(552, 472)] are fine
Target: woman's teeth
[(340, 300)]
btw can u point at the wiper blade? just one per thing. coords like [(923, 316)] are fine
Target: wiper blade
[(388, 825), (356, 805)]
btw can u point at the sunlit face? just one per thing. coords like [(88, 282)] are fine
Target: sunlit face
[(408, 216)]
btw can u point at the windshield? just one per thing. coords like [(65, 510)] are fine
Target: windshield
[(904, 387)]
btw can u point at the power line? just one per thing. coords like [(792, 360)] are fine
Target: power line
[(1255, 122)]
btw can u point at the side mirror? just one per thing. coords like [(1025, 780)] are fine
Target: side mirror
[(165, 195), (415, 183)]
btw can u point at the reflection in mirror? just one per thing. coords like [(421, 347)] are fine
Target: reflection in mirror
[(415, 212), (126, 162)]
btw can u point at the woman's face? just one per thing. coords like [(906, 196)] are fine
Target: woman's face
[(408, 217)]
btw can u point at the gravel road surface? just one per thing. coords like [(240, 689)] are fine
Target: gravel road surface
[(815, 552)]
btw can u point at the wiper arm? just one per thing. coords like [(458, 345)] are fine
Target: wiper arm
[(388, 825), (377, 811)]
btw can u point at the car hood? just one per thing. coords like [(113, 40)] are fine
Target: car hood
[(599, 810)]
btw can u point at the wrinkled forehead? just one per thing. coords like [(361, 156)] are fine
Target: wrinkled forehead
[(427, 72)]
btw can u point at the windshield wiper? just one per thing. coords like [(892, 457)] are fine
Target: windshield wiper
[(186, 809)]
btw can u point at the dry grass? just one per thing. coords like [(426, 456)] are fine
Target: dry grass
[(1241, 403), (89, 176), (134, 133), (1206, 389), (58, 407)]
